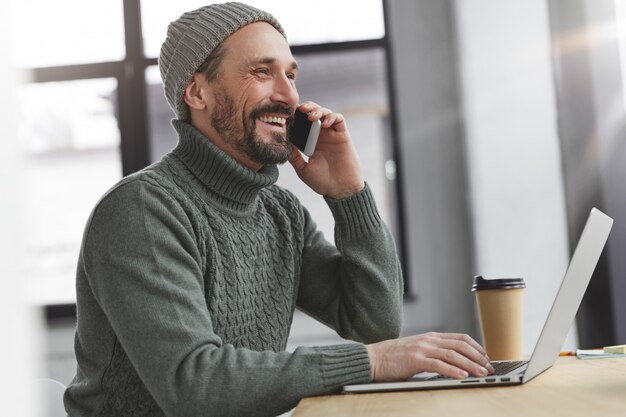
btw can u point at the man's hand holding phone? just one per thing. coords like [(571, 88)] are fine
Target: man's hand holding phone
[(333, 169)]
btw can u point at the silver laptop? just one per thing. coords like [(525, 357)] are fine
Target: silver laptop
[(553, 334)]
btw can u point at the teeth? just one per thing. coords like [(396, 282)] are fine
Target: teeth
[(278, 120)]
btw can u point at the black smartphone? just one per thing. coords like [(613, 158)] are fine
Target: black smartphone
[(304, 133)]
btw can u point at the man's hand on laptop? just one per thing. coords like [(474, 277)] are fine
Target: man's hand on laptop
[(449, 354)]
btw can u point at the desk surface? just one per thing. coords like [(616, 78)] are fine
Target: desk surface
[(573, 387)]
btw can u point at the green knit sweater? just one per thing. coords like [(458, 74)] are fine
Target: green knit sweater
[(187, 281)]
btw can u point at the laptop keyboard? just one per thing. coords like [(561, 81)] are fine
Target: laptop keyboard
[(503, 368)]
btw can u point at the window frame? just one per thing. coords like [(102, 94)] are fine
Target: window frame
[(133, 111)]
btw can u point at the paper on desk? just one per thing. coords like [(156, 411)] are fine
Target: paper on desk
[(596, 354), (615, 349)]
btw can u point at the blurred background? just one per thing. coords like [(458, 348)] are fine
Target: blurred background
[(487, 130)]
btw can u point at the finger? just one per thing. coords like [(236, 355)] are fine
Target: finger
[(467, 339), (444, 350), (311, 109), (334, 120), (468, 347), (467, 357), (471, 342), (319, 113), (471, 350), (462, 356), (308, 106), (329, 119), (443, 368)]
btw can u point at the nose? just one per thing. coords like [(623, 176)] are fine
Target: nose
[(285, 91)]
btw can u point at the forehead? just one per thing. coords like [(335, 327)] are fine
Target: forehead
[(255, 41)]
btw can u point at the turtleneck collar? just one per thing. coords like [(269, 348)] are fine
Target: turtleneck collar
[(231, 185)]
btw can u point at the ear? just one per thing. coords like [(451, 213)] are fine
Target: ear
[(194, 92)]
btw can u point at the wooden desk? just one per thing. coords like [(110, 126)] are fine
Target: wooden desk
[(573, 387)]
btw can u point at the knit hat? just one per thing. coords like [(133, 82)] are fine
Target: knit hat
[(191, 39)]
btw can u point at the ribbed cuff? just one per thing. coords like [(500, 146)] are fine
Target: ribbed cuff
[(356, 215), (344, 364)]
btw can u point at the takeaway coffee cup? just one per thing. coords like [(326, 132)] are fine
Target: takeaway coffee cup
[(501, 312)]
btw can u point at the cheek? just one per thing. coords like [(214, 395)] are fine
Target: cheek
[(250, 95), (255, 92)]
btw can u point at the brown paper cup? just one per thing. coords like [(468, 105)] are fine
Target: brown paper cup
[(500, 305)]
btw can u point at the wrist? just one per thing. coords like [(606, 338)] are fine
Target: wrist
[(371, 352), (348, 192)]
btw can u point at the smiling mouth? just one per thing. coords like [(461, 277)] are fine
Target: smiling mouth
[(274, 120)]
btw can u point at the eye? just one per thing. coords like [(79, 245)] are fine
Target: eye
[(291, 76), (262, 71)]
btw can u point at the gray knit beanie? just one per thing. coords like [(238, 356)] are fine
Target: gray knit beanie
[(191, 39)]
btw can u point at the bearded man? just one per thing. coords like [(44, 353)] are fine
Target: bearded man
[(191, 269)]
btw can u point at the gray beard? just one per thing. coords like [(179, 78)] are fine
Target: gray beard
[(241, 135)]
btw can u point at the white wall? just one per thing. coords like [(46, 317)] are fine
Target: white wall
[(514, 165), (16, 360)]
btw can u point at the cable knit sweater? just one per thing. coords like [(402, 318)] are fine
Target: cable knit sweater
[(187, 281)]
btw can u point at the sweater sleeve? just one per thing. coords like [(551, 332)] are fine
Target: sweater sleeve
[(144, 267), (356, 287)]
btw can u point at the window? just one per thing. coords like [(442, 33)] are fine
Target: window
[(94, 110), (64, 32), (68, 130), (69, 134), (306, 23)]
